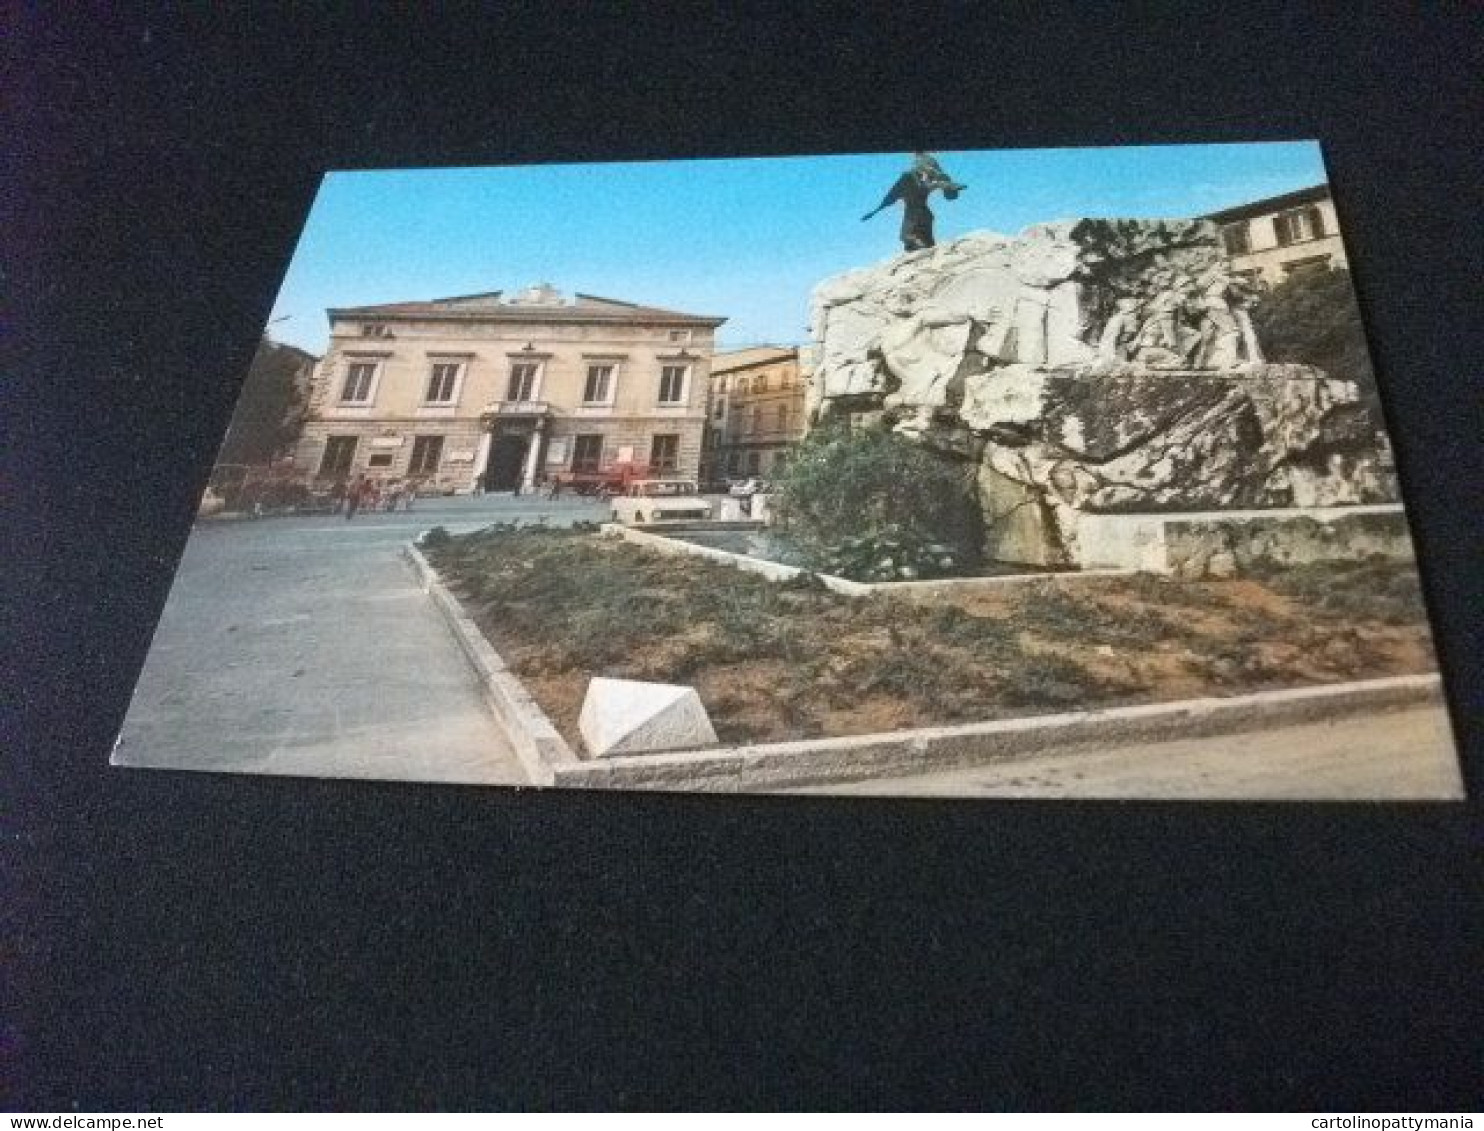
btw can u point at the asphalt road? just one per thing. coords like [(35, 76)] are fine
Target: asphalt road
[(304, 646)]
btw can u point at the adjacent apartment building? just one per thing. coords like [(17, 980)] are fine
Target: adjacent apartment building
[(496, 393), (1269, 240), (757, 410)]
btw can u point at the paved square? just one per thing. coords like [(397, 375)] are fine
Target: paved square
[(304, 645)]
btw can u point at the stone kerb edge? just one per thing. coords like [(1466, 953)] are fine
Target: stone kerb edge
[(777, 571), (773, 571), (536, 742), (822, 761)]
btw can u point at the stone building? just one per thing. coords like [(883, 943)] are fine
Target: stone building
[(500, 393), (1269, 240), (757, 410)]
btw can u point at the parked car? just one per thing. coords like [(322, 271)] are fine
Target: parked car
[(746, 488), (660, 500)]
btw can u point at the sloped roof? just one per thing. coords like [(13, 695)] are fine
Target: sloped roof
[(547, 306), (732, 360), (1295, 199)]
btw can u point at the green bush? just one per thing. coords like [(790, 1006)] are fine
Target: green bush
[(874, 506), (1313, 318)]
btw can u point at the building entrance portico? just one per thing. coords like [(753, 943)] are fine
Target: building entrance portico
[(515, 445), (506, 461)]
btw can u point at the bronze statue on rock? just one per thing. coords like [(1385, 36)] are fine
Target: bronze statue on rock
[(912, 189)]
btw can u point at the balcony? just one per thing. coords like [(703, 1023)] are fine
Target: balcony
[(515, 410)]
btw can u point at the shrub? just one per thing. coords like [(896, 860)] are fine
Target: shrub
[(1313, 318), (872, 505), (893, 553)]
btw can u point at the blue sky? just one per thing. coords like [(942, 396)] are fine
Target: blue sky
[(745, 238)]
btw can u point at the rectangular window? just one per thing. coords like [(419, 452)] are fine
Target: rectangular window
[(427, 451), (522, 385), (359, 377), (672, 384), (719, 412), (1295, 227), (783, 418), (664, 453), (380, 459), (680, 335), (1235, 236), (587, 453), (340, 453), (599, 387), (754, 463), (1306, 265), (443, 382)]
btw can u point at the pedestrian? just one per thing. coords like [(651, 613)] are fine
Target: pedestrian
[(354, 496)]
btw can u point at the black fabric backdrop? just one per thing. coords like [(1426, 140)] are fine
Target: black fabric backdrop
[(180, 941)]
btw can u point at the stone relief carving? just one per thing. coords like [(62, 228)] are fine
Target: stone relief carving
[(1092, 366)]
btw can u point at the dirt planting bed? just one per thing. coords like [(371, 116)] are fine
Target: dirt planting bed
[(793, 660)]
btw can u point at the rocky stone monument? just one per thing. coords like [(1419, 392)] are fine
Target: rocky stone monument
[(1104, 380)]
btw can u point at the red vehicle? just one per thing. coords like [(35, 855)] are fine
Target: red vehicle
[(612, 480)]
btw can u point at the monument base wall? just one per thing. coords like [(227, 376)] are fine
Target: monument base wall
[(1228, 543)]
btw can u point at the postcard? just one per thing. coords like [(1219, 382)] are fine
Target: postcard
[(1019, 474)]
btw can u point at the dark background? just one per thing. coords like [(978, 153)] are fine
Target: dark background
[(179, 941)]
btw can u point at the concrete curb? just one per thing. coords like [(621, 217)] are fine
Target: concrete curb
[(542, 751), (823, 761), (912, 590), (548, 760)]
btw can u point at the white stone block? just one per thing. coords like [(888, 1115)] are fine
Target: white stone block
[(623, 716)]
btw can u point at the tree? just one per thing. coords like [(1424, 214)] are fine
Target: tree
[(270, 409), (1313, 318), (873, 505)]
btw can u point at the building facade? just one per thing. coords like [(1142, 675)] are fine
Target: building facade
[(757, 410), (1269, 240), (487, 392)]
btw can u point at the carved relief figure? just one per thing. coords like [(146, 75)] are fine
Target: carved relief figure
[(1162, 342), (1117, 339), (1221, 337), (923, 347)]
